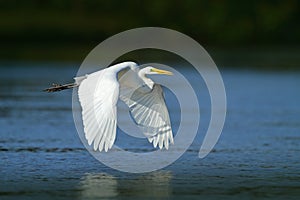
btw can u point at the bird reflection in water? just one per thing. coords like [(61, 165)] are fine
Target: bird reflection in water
[(98, 185), (102, 185)]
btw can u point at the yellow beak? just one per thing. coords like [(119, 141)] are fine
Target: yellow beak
[(160, 71)]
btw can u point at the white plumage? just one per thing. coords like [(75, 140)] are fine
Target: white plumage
[(98, 95)]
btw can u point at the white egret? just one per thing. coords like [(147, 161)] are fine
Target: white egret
[(98, 95)]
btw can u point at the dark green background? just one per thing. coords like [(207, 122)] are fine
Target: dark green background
[(255, 33)]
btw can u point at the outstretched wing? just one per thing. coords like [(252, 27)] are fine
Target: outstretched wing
[(148, 110), (98, 96)]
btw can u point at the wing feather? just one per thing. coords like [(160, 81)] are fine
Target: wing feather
[(148, 109), (98, 95)]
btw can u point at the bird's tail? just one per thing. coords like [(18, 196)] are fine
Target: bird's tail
[(58, 87)]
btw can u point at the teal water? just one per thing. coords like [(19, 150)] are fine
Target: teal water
[(257, 155)]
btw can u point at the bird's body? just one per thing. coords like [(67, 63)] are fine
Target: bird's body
[(99, 93)]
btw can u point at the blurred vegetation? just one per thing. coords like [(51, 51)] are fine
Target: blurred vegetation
[(254, 32)]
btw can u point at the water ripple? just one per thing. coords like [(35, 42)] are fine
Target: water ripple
[(39, 149)]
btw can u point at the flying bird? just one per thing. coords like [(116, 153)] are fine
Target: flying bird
[(98, 96)]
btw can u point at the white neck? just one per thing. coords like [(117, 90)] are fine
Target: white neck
[(146, 80)]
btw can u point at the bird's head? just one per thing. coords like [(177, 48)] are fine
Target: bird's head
[(152, 70)]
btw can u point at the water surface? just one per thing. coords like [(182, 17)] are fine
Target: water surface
[(257, 155)]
